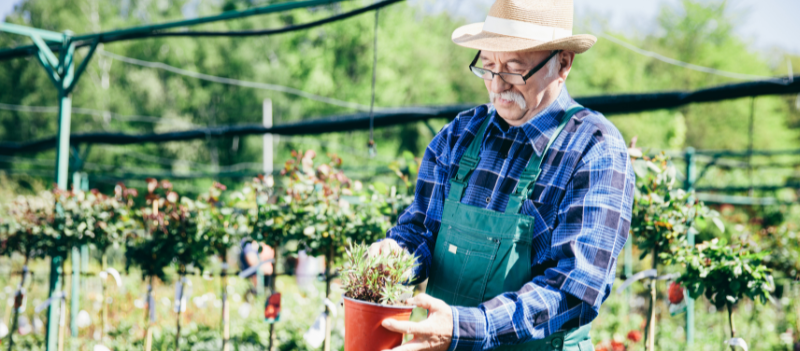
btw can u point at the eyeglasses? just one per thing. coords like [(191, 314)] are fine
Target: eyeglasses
[(510, 78)]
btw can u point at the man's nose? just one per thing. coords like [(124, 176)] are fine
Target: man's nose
[(499, 85)]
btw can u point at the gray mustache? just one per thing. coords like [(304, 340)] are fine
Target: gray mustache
[(510, 96)]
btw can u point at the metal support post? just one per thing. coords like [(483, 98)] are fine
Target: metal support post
[(61, 71), (689, 185), (74, 297)]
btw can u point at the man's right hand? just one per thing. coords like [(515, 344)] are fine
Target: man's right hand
[(383, 247)]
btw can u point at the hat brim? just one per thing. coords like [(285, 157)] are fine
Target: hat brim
[(472, 36)]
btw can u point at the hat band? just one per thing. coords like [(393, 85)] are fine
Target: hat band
[(524, 30)]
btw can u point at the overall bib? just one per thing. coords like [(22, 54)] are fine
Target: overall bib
[(481, 253)]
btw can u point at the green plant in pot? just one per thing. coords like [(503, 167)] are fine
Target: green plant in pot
[(375, 290), (724, 274)]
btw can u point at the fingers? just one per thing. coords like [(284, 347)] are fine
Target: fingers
[(412, 345), (406, 327), (427, 302), (383, 247)]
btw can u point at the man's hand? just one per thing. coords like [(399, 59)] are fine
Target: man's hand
[(383, 247), (432, 334)]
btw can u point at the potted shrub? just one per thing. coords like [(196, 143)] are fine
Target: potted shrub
[(374, 289)]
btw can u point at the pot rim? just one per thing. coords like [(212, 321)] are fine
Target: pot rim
[(408, 307)]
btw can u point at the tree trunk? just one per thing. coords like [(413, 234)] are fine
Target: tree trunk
[(651, 315), (179, 303), (272, 291), (148, 341), (328, 260), (104, 305), (226, 327), (16, 308), (730, 322)]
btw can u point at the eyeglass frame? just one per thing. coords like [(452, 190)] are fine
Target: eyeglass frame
[(524, 77)]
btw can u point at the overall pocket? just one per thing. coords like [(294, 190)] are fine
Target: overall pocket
[(464, 261)]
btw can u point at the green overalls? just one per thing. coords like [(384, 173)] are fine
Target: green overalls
[(481, 253)]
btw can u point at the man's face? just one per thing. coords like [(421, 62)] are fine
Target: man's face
[(516, 104)]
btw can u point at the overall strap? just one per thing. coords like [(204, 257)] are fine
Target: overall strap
[(534, 167), (468, 163)]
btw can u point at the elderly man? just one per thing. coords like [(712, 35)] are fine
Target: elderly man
[(523, 204)]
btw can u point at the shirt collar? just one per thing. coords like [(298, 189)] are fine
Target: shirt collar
[(541, 127)]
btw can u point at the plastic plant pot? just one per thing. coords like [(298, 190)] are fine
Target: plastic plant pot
[(363, 329)]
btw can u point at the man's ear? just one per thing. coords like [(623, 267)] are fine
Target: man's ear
[(565, 59)]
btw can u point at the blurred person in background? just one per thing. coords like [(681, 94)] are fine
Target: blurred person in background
[(250, 256)]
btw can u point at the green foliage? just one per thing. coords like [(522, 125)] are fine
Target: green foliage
[(379, 278), (723, 273), (172, 232), (320, 208), (663, 212)]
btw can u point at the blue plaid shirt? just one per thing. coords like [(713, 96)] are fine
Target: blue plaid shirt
[(581, 203)]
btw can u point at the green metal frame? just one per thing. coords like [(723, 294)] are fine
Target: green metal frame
[(62, 73), (689, 185)]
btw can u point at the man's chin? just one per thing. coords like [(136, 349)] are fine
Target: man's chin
[(509, 114)]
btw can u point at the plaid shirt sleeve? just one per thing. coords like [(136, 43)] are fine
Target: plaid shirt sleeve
[(416, 226), (592, 226)]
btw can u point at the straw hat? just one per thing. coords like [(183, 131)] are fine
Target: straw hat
[(523, 25)]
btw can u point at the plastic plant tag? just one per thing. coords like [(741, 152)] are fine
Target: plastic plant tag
[(20, 300), (182, 292), (315, 335), (331, 306), (83, 320), (38, 325), (99, 347), (676, 309), (737, 342), (151, 307), (25, 327), (244, 310), (272, 309)]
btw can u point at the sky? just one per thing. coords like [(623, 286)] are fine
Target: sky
[(767, 23)]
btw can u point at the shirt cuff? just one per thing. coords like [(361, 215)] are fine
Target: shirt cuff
[(469, 328)]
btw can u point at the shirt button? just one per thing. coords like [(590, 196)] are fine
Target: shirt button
[(488, 199)]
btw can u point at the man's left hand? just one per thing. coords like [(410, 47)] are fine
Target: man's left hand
[(432, 334)]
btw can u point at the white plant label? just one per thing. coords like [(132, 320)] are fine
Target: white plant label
[(315, 335), (737, 342)]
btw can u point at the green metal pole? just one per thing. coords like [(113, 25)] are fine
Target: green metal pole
[(76, 272), (66, 68), (690, 179)]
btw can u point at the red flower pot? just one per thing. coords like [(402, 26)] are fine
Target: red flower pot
[(362, 325)]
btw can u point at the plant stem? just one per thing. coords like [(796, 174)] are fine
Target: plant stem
[(328, 260), (730, 322), (273, 276), (651, 315), (16, 308), (180, 307), (148, 339), (104, 305), (226, 327)]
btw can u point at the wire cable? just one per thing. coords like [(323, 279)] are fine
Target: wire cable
[(372, 150), (97, 113), (739, 76), (606, 104), (237, 82), (265, 32)]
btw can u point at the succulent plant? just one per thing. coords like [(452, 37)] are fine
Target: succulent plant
[(379, 279)]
